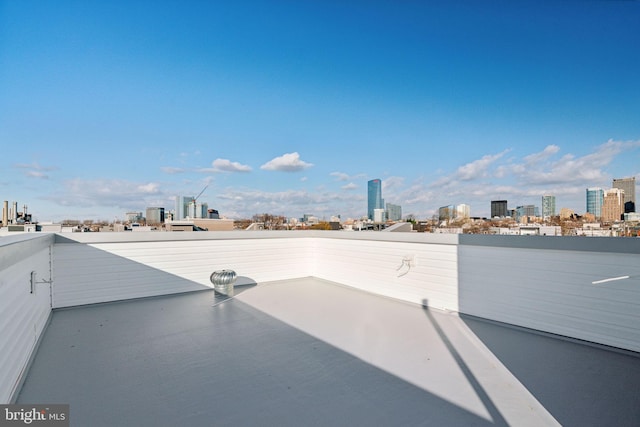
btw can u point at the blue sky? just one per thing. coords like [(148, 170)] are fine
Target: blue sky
[(289, 107)]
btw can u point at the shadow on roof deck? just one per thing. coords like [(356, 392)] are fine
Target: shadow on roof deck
[(310, 352)]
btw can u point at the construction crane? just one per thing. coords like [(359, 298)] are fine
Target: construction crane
[(193, 202)]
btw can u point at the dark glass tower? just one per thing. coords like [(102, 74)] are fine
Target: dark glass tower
[(499, 208)]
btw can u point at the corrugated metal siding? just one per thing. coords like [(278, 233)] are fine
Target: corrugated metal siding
[(373, 266), (23, 315), (100, 272), (552, 291)]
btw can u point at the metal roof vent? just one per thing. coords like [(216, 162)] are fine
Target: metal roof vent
[(223, 281)]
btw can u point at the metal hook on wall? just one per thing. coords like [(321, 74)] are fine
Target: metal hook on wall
[(406, 262), (33, 282)]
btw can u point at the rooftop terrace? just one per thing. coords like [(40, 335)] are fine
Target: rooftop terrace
[(417, 331)]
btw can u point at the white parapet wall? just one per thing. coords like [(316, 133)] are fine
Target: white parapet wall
[(541, 283), (560, 285), (24, 309), (415, 267), (101, 267)]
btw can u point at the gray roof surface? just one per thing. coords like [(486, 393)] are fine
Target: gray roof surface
[(311, 352)]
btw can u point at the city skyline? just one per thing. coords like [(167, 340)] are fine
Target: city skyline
[(289, 108)]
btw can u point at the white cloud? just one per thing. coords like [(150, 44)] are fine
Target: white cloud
[(392, 182), (37, 174), (548, 151), (225, 165), (109, 193), (350, 186), (171, 170), (415, 196), (345, 177), (541, 168), (289, 162), (34, 166), (35, 170), (340, 176), (245, 203), (520, 180), (477, 168), (523, 181), (150, 188)]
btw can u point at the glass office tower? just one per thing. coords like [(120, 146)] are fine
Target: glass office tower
[(548, 206), (595, 199), (374, 197)]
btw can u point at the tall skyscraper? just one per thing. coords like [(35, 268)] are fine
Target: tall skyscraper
[(613, 205), (629, 187), (183, 207), (548, 206), (595, 199), (374, 197), (499, 208)]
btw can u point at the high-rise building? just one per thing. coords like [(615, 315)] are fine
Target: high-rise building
[(394, 212), (379, 216), (155, 215), (201, 210), (133, 216), (463, 211), (183, 207), (595, 198), (629, 187), (613, 205), (454, 212), (526, 211), (548, 206), (374, 197), (499, 209), (446, 213)]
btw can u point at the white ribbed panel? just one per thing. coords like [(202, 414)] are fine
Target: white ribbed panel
[(552, 291), (23, 315), (531, 283), (100, 272), (373, 266)]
